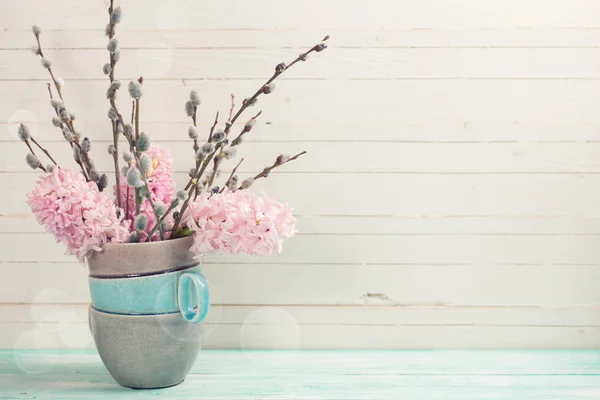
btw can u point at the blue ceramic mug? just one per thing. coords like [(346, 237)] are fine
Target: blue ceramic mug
[(184, 291)]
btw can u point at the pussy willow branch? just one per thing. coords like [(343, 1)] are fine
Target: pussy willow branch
[(191, 189), (71, 143), (50, 90), (86, 165), (232, 108), (219, 158), (246, 103), (249, 101), (41, 53), (115, 131), (216, 163), (137, 136), (111, 32), (29, 146), (237, 140), (265, 172), (198, 163), (196, 148), (160, 221), (212, 128), (44, 150), (230, 123), (132, 145), (116, 161), (228, 181)]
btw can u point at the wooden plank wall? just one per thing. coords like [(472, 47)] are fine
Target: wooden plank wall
[(450, 197)]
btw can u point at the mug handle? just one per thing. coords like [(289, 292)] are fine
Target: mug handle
[(184, 297)]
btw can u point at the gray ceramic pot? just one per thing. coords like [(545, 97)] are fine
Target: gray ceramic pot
[(153, 350), (140, 259), (146, 351)]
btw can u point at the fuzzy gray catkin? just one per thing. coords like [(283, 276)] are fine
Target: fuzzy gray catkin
[(116, 15), (102, 182), (143, 142), (76, 154), (182, 195), (145, 163), (86, 145), (140, 222), (112, 114), (229, 152), (32, 161), (127, 156), (159, 208), (46, 63), (190, 109), (56, 104), (247, 183), (207, 148), (68, 135), (23, 132), (195, 98), (135, 90), (218, 136), (94, 175), (249, 102), (193, 132), (134, 178), (133, 237), (113, 45)]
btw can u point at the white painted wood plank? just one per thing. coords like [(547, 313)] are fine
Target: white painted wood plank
[(272, 129), (318, 101), (305, 328), (164, 62), (153, 14), (405, 194), (293, 284), (372, 249), (356, 157), (368, 37), (398, 225), (572, 316)]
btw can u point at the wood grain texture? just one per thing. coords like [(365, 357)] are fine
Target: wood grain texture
[(477, 285), (318, 100), (378, 249), (199, 37), (350, 63), (449, 197), (349, 157), (456, 375), (313, 14), (55, 326), (408, 194)]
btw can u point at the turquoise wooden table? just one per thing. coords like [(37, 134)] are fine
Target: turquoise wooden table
[(317, 375)]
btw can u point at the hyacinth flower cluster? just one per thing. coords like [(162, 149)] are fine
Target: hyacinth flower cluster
[(74, 206)]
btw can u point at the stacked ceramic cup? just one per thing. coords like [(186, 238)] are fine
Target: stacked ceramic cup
[(148, 304)]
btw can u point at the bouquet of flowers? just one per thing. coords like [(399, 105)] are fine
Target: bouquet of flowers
[(73, 204)]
